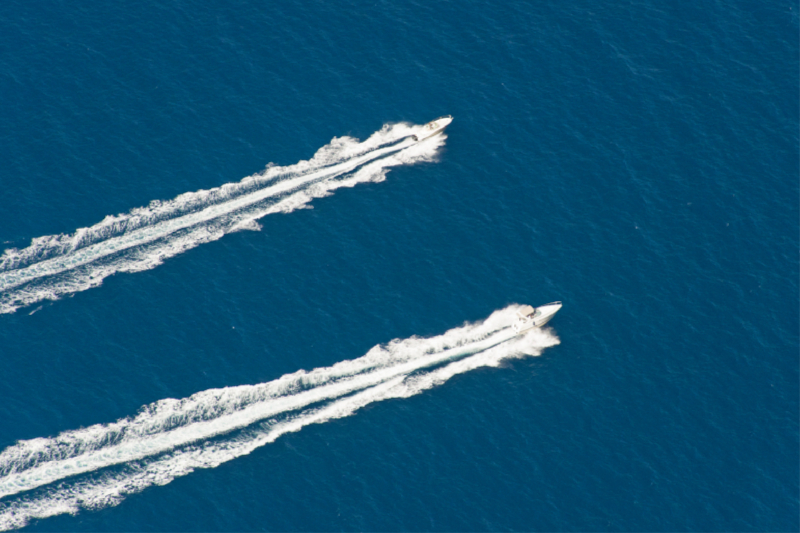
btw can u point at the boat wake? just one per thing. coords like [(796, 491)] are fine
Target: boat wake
[(99, 466), (58, 265)]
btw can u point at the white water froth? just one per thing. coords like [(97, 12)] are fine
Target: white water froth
[(171, 438), (142, 239)]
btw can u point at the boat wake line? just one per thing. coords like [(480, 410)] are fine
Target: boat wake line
[(58, 265), (99, 466)]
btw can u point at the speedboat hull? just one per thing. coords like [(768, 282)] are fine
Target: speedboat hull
[(530, 317), (432, 128)]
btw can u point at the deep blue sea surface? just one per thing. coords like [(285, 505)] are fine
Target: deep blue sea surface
[(636, 160)]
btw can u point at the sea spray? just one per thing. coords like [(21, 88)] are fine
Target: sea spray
[(171, 438), (58, 265)]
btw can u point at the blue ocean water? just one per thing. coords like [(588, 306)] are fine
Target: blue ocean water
[(637, 161)]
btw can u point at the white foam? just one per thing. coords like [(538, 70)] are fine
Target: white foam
[(57, 265), (173, 437)]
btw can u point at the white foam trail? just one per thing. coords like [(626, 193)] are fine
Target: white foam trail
[(171, 438), (57, 265), (168, 414), (144, 446)]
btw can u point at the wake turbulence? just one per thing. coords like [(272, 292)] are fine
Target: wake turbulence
[(58, 265), (99, 466)]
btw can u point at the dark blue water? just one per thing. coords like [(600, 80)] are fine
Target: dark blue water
[(638, 161)]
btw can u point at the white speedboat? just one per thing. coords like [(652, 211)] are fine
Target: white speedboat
[(433, 127), (530, 317)]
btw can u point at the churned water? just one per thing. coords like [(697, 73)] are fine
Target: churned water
[(236, 295)]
